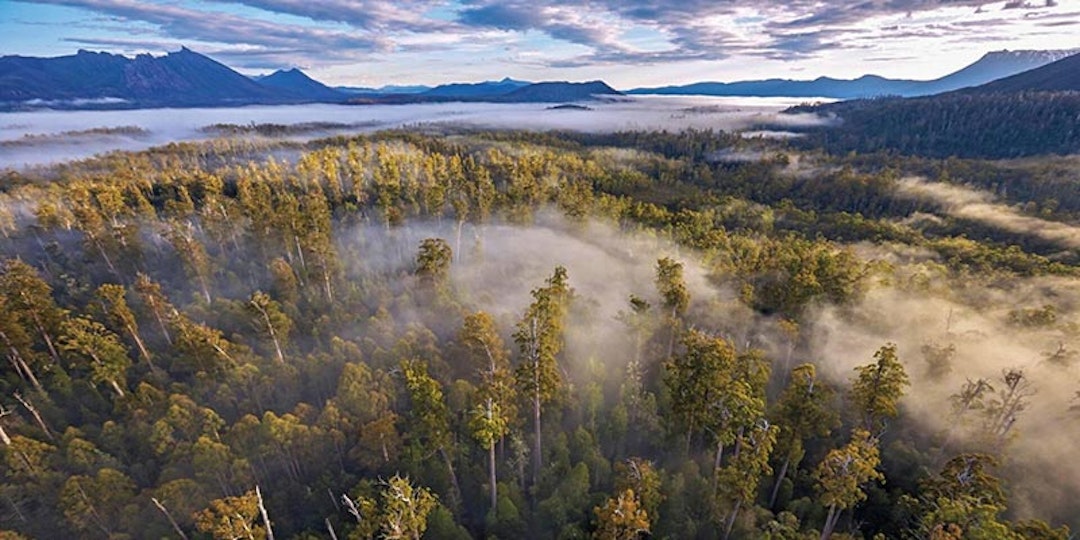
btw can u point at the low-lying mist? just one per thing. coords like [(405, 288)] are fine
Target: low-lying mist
[(988, 329), (171, 125), (968, 203)]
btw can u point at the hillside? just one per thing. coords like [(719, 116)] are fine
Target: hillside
[(296, 83), (1029, 114), (476, 90), (551, 92), (1060, 76)]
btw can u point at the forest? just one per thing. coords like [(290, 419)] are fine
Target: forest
[(965, 124), (447, 333)]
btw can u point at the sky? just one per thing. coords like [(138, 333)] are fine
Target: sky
[(626, 43)]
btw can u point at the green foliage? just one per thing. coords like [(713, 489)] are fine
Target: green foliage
[(878, 387), (261, 321)]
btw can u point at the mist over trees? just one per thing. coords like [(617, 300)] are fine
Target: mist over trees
[(538, 335)]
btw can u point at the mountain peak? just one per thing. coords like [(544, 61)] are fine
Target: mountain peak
[(296, 82)]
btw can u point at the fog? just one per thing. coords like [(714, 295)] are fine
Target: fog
[(967, 203), (1041, 476), (497, 265), (47, 128)]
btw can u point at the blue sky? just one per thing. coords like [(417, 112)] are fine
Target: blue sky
[(627, 43)]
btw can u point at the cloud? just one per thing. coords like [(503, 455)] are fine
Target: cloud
[(276, 33), (185, 23), (375, 15)]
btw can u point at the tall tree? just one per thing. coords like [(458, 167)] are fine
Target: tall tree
[(805, 409), (31, 299), (270, 321), (488, 426), (878, 387), (841, 475), (115, 308), (621, 518), (108, 358), (429, 429), (539, 336), (675, 296), (741, 477), (232, 518)]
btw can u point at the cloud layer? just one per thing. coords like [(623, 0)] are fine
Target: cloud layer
[(258, 34)]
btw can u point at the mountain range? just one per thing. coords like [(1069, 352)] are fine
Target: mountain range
[(88, 80), (992, 66), (188, 79)]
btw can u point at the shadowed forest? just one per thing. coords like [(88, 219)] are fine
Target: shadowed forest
[(471, 334)]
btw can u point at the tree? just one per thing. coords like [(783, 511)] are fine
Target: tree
[(154, 299), (805, 409), (488, 426), (433, 263), (539, 336), (1004, 407), (232, 518), (489, 361), (92, 342), (878, 387), (672, 288), (193, 258), (841, 475), (621, 518), (642, 478), (96, 502), (401, 512), (115, 308), (714, 390), (270, 321), (30, 297), (429, 419), (739, 480)]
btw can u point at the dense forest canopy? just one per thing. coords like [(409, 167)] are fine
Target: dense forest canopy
[(542, 335), (966, 123)]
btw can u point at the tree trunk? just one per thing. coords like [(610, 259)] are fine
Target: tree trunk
[(538, 458), (270, 330), (330, 529), (21, 366), (140, 345), (779, 480), (160, 321), (717, 462), (830, 523), (175, 525), (262, 512), (45, 335), (731, 520), (455, 495), (37, 415), (116, 388), (492, 479)]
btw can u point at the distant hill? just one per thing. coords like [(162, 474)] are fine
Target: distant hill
[(542, 92), (388, 89), (991, 66), (1060, 76), (296, 83), (179, 79), (553, 92), (483, 89)]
